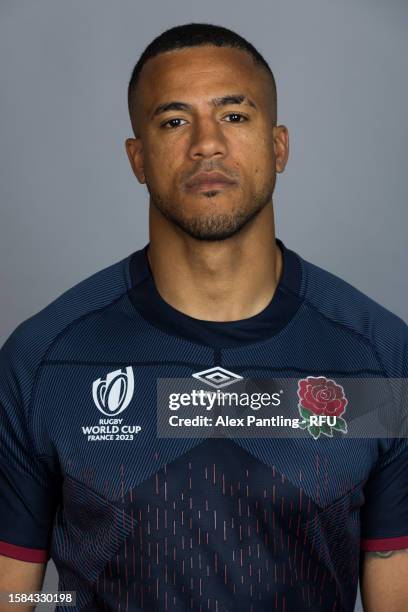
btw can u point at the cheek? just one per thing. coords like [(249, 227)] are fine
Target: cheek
[(259, 156), (155, 158), (266, 150), (158, 166), (262, 169), (266, 161)]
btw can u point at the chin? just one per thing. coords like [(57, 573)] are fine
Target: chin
[(208, 216), (212, 227)]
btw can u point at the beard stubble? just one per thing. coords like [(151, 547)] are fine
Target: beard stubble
[(213, 226)]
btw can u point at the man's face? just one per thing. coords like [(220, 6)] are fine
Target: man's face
[(207, 147)]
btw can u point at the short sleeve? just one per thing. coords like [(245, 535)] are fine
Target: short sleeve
[(28, 488), (384, 516)]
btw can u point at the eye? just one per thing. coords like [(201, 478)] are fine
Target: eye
[(172, 123), (237, 118)]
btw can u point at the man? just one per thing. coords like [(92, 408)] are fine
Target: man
[(135, 520)]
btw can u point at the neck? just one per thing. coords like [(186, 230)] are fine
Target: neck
[(223, 280)]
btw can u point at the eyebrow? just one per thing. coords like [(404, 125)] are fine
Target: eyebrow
[(222, 101)]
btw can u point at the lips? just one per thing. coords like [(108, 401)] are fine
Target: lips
[(209, 180)]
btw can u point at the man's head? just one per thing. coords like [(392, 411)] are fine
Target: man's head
[(202, 101)]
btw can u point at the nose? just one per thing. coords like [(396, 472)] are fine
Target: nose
[(207, 140)]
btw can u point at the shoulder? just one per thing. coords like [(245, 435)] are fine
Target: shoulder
[(344, 306), (29, 343)]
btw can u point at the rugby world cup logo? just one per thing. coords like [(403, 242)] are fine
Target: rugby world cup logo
[(114, 393)]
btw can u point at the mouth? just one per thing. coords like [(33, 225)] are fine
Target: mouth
[(209, 182)]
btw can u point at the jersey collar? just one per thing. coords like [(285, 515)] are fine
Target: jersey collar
[(281, 309)]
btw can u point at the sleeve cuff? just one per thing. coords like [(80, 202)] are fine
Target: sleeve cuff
[(33, 555), (384, 544)]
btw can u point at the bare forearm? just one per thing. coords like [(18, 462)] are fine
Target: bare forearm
[(19, 577), (384, 581)]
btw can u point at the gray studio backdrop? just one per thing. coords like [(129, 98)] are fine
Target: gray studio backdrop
[(69, 203)]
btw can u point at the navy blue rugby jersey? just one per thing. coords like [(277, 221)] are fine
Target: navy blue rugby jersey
[(136, 521)]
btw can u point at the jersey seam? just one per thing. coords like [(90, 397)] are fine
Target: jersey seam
[(337, 323), (356, 487), (351, 330), (60, 334), (153, 362), (93, 490), (240, 367)]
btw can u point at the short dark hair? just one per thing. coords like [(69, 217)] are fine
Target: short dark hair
[(194, 35)]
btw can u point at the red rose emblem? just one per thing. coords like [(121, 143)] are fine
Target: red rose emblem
[(322, 396)]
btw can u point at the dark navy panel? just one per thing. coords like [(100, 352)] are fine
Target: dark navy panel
[(385, 513), (27, 504)]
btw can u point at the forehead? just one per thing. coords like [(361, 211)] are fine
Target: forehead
[(198, 73)]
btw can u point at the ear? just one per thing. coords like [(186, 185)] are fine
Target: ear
[(134, 150), (281, 146)]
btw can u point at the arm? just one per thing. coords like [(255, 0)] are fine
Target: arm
[(20, 577), (384, 581)]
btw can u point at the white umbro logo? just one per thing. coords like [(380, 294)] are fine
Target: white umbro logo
[(217, 377), (114, 393)]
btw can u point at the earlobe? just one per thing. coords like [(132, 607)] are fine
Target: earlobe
[(134, 150)]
